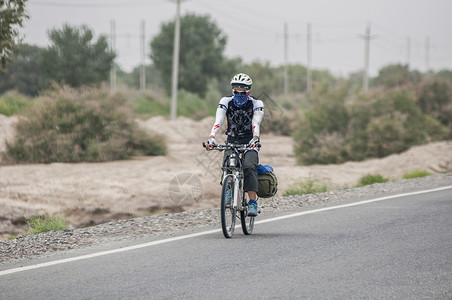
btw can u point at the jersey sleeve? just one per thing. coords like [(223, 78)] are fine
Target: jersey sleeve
[(219, 116), (258, 115)]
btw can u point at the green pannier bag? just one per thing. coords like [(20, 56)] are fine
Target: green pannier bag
[(267, 181)]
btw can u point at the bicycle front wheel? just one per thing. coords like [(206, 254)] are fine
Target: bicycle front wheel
[(247, 222), (228, 212)]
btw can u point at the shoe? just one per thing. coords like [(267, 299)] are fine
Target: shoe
[(228, 197), (252, 208)]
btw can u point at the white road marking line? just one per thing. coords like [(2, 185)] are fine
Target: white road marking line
[(183, 237), (352, 204)]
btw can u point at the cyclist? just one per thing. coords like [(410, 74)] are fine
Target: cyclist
[(244, 114)]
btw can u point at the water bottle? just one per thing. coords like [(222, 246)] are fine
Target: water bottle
[(232, 161)]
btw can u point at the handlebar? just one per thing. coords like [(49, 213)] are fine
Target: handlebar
[(228, 146)]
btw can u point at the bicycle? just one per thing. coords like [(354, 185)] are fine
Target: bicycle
[(233, 198)]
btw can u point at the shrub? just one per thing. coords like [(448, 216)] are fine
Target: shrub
[(12, 103), (191, 105), (339, 128), (435, 98), (279, 115), (277, 124), (416, 174), (41, 224), (69, 125), (309, 186), (147, 106), (371, 179), (385, 135)]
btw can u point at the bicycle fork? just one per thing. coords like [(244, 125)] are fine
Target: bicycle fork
[(236, 201)]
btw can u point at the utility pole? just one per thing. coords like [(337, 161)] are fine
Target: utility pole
[(142, 68), (427, 54), (286, 75), (408, 52), (113, 49), (367, 37), (308, 81), (175, 63)]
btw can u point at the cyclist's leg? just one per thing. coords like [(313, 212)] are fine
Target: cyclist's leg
[(250, 161)]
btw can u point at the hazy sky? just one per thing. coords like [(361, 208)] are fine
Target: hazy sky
[(255, 28)]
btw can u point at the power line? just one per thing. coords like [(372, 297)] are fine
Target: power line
[(240, 23), (91, 4)]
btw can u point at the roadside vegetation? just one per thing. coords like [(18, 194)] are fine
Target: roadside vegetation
[(371, 179), (40, 224), (334, 123), (83, 125), (416, 174), (310, 185), (12, 103)]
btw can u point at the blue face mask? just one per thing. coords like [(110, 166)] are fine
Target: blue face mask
[(240, 98)]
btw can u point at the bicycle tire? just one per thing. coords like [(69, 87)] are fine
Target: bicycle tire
[(228, 212), (247, 222)]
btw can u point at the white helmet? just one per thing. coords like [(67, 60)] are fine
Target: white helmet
[(241, 80)]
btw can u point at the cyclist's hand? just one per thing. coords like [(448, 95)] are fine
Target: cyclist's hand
[(254, 143), (210, 143)]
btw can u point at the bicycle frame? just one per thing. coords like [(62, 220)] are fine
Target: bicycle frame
[(234, 165)]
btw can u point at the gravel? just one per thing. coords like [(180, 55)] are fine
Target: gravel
[(30, 246)]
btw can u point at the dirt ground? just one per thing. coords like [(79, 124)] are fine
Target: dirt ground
[(187, 178)]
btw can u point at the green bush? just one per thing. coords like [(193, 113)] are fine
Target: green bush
[(86, 125), (41, 224), (434, 97), (308, 186), (192, 106), (416, 174), (371, 179), (13, 103), (339, 127), (189, 105), (385, 135), (146, 106)]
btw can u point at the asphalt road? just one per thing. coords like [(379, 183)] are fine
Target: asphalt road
[(398, 248)]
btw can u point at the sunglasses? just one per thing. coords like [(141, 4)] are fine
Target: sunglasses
[(235, 92)]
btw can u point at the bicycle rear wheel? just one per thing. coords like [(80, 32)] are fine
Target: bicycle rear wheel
[(247, 222), (228, 212)]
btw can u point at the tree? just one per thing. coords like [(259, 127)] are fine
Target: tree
[(393, 75), (73, 58), (201, 52), (398, 75), (24, 74), (445, 74), (12, 15), (435, 98)]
